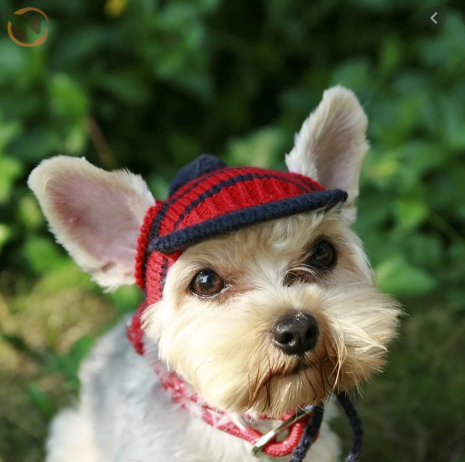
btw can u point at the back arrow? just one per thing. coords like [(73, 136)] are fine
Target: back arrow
[(432, 18)]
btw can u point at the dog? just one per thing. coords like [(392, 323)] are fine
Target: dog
[(260, 300)]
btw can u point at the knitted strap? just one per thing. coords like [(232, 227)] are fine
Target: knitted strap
[(183, 395)]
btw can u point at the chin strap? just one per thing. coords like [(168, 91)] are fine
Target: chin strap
[(356, 425), (312, 429)]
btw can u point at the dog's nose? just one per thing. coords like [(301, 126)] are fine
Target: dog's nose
[(295, 334)]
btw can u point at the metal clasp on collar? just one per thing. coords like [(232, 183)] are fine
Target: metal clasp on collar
[(272, 434)]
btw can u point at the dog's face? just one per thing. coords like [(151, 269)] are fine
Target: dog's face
[(264, 319), (273, 316)]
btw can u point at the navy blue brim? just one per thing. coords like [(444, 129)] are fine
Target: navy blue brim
[(239, 219)]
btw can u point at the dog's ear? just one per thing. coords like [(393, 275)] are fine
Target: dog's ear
[(331, 144), (94, 214)]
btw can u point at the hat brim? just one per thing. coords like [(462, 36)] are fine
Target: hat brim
[(239, 219)]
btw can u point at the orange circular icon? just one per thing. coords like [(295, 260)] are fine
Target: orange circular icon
[(18, 34)]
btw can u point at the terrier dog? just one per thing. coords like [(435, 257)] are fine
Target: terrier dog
[(260, 300)]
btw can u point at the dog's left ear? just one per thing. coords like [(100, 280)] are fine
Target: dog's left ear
[(96, 215), (331, 144)]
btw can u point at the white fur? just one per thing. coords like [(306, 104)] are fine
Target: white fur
[(331, 144), (129, 417), (222, 345)]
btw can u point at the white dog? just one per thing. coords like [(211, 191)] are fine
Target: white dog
[(260, 300)]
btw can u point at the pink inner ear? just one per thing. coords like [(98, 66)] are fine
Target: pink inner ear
[(98, 217), (335, 156)]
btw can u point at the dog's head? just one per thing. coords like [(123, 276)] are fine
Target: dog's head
[(263, 318)]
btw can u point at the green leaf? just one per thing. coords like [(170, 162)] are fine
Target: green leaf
[(67, 99), (257, 149), (10, 169), (29, 213), (76, 139), (41, 400), (410, 212), (391, 54), (37, 144), (42, 254), (126, 298), (353, 73), (397, 276), (8, 131), (65, 275), (5, 235)]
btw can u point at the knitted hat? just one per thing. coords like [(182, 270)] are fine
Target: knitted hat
[(206, 199)]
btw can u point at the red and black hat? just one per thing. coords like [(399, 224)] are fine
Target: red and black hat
[(206, 199)]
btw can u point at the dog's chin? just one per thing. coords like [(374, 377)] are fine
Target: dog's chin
[(291, 390), (284, 390)]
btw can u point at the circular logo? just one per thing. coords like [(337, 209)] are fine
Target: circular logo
[(30, 33)]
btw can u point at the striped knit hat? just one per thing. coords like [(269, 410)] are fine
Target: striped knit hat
[(206, 199)]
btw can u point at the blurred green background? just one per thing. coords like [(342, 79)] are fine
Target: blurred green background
[(149, 85)]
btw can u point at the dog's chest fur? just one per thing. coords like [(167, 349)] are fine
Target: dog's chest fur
[(132, 418)]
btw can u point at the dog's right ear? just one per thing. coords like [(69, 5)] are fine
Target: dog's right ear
[(96, 215)]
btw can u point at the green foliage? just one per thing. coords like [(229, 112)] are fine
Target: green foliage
[(149, 85)]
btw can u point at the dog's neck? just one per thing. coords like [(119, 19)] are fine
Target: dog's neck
[(244, 426)]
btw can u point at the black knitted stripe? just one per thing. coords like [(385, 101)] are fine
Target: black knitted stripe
[(154, 229), (232, 181), (164, 271), (246, 217)]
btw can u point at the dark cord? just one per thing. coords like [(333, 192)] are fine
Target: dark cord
[(309, 436), (356, 425), (311, 431)]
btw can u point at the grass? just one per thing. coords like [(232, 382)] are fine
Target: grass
[(413, 412)]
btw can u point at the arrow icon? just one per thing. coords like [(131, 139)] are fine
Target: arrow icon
[(434, 17)]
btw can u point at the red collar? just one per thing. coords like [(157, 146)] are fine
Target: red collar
[(182, 394)]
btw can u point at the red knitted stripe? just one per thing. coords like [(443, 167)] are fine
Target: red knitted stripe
[(240, 196), (142, 243), (134, 332), (195, 183), (178, 208), (156, 271), (305, 180)]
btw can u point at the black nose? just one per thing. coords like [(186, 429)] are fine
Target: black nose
[(295, 334)]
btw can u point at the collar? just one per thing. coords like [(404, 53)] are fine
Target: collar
[(293, 422)]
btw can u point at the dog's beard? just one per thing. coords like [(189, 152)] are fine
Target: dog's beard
[(230, 360), (279, 383), (223, 346)]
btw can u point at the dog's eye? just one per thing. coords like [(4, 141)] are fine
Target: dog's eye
[(322, 256), (207, 283)]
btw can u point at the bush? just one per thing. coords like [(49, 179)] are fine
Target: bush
[(151, 85)]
